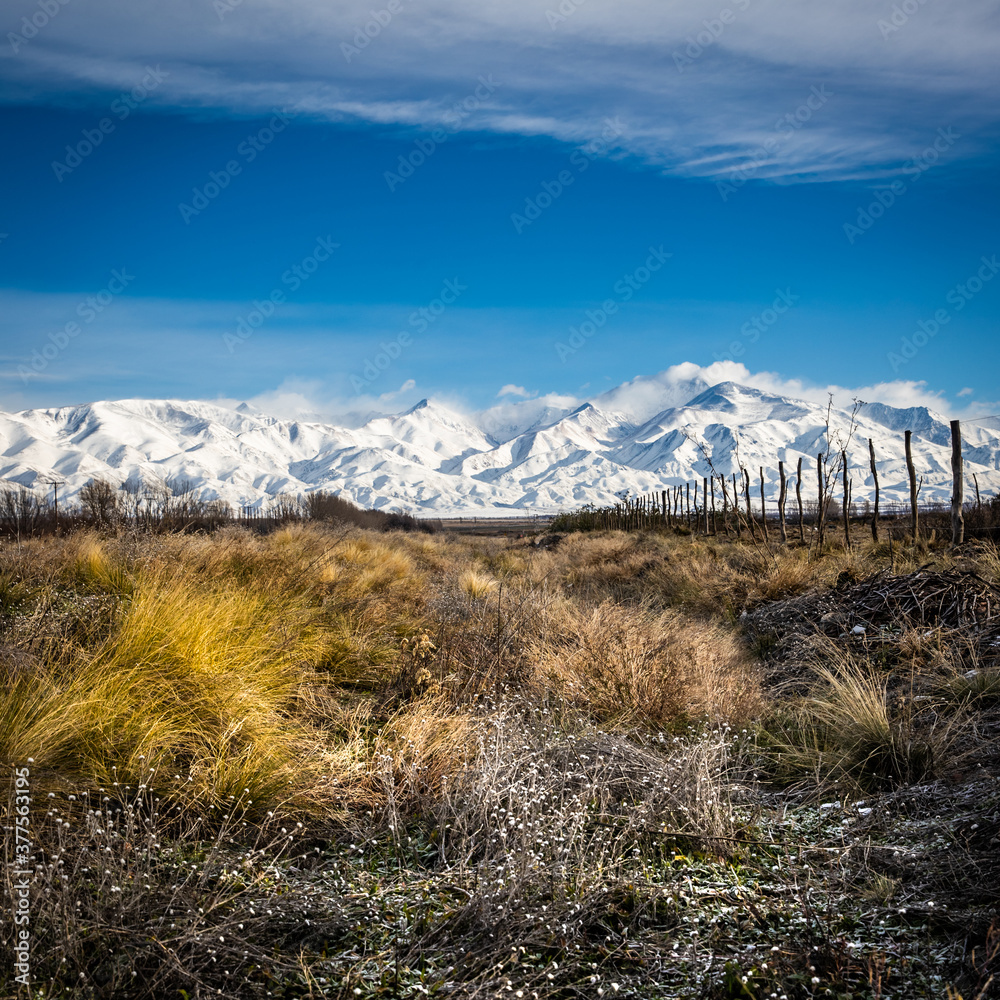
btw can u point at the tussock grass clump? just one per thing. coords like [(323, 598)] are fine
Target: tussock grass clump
[(642, 666), (194, 680), (850, 729), (476, 585)]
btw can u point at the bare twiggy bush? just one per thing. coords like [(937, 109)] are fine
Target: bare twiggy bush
[(142, 899), (528, 788)]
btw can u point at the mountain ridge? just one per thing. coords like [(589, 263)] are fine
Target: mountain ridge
[(432, 459)]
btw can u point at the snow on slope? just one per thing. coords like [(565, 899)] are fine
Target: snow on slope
[(643, 436)]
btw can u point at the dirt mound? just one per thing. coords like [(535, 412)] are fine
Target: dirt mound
[(879, 611)]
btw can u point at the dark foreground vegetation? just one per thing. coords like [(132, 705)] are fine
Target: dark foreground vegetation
[(328, 762)]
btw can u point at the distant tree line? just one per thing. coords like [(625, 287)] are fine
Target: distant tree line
[(175, 505)]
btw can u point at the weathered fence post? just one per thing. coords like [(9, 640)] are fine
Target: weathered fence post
[(751, 521), (798, 497), (725, 505), (847, 501), (704, 499), (871, 456), (666, 509), (957, 485), (715, 527), (821, 510), (736, 509), (912, 472), (782, 493), (763, 509)]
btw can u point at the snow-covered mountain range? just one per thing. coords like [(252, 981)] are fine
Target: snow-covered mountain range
[(529, 457)]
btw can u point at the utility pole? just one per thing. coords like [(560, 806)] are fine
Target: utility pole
[(55, 484)]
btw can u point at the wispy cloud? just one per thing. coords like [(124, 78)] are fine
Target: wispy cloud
[(698, 98)]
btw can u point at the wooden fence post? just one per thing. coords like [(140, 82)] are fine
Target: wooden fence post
[(871, 456), (783, 491), (666, 509), (821, 510), (725, 505), (736, 509), (957, 485), (746, 494), (798, 497), (763, 509), (751, 521), (847, 501), (715, 527), (912, 472)]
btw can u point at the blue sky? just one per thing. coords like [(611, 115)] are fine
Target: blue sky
[(328, 207)]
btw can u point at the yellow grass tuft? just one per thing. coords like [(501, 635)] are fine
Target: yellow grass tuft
[(476, 585)]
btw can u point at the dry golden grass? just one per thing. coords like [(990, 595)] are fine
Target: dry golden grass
[(222, 656), (639, 665), (476, 585)]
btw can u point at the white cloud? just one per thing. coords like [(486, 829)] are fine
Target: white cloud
[(402, 390), (889, 92), (965, 392), (639, 399), (679, 383), (514, 390)]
